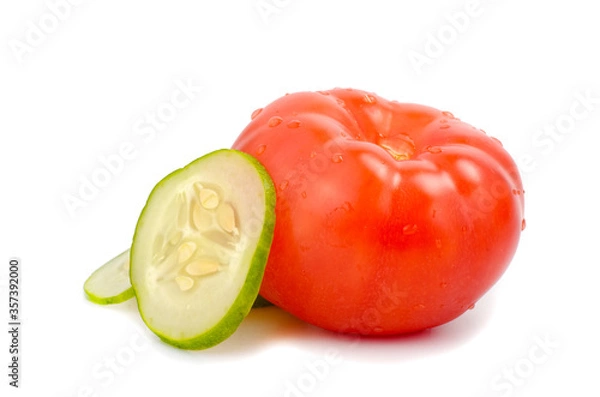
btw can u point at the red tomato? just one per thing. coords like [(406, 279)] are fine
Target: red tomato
[(391, 217)]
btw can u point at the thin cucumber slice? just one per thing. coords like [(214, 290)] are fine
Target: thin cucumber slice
[(110, 284), (200, 248)]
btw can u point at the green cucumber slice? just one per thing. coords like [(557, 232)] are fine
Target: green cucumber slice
[(200, 248), (110, 284)]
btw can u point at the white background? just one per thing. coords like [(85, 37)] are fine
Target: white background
[(74, 94)]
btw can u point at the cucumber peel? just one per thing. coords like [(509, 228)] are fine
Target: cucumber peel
[(200, 248)]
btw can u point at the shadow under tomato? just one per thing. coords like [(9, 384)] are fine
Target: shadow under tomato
[(429, 342), (270, 326)]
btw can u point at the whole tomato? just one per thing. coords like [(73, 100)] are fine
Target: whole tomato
[(391, 217)]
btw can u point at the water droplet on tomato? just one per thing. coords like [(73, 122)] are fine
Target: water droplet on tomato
[(369, 99), (433, 149), (444, 126), (284, 184), (471, 306), (275, 121), (261, 149), (448, 114), (255, 113), (516, 192), (523, 224), (340, 102), (294, 124), (407, 230), (483, 131), (497, 141), (313, 154), (438, 243), (337, 158), (443, 284), (323, 92), (303, 194)]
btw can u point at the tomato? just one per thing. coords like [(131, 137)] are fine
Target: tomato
[(391, 217)]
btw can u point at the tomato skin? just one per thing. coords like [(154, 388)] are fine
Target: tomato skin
[(391, 217)]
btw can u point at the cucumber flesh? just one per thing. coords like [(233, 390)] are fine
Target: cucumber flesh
[(200, 248), (110, 284)]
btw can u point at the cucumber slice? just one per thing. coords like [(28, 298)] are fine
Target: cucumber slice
[(110, 284), (200, 248)]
